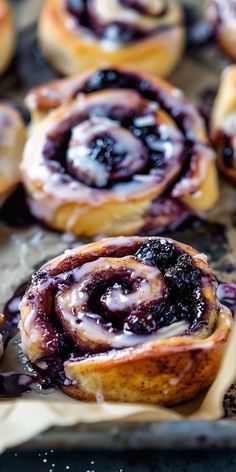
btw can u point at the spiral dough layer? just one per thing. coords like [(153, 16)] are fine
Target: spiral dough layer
[(126, 319)]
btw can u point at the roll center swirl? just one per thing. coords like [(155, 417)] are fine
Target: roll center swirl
[(116, 137), (101, 153)]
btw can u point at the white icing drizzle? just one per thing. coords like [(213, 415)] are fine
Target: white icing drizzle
[(93, 171), (72, 302), (104, 337)]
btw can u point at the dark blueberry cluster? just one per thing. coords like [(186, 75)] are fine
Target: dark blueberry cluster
[(12, 386), (183, 279), (160, 252), (102, 150), (105, 79), (112, 78), (140, 323), (183, 299)]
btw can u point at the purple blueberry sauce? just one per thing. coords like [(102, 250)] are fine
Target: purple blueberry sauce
[(12, 314), (14, 385), (183, 279), (15, 212)]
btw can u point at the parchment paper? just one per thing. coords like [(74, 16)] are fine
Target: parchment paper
[(20, 250)]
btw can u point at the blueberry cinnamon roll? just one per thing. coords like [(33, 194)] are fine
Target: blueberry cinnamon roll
[(221, 15), (87, 33), (223, 124), (7, 36), (118, 153), (12, 139), (126, 319)]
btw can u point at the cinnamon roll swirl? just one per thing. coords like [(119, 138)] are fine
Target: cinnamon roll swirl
[(119, 153), (12, 139), (223, 124), (126, 319), (87, 33), (7, 36), (221, 15)]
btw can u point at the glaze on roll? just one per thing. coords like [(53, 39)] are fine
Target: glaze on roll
[(7, 36), (126, 319), (221, 15), (87, 33), (223, 124), (119, 153), (12, 140)]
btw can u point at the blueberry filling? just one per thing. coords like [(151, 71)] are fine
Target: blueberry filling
[(181, 300), (183, 279), (135, 144), (116, 31), (140, 323), (111, 78), (12, 314)]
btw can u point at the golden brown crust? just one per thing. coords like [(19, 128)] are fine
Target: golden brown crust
[(169, 373), (12, 140), (223, 124), (70, 52), (165, 371), (7, 36)]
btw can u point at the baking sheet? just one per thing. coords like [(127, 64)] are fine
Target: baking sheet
[(20, 249)]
